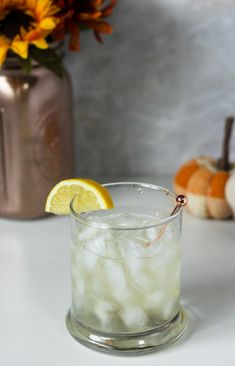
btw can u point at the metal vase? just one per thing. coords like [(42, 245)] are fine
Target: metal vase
[(36, 148)]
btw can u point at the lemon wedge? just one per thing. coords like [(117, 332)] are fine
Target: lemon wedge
[(89, 195)]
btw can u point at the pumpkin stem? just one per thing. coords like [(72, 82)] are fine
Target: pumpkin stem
[(223, 163)]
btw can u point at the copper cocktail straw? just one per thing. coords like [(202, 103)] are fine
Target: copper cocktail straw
[(181, 201)]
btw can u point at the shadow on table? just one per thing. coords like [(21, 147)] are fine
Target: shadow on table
[(208, 305)]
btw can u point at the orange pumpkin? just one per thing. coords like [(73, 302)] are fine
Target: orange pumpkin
[(203, 181)]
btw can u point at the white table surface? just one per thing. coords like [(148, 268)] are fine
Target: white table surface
[(35, 295)]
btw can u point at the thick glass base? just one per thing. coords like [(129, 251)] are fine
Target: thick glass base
[(128, 343)]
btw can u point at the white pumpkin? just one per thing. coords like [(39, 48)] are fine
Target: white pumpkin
[(230, 192)]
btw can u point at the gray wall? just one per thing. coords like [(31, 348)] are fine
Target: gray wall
[(156, 93)]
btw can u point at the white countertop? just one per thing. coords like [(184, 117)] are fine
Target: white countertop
[(35, 295)]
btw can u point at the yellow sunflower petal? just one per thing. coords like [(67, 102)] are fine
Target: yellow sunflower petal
[(3, 55), (20, 47), (40, 43), (4, 47), (32, 35), (44, 6), (41, 8), (48, 23)]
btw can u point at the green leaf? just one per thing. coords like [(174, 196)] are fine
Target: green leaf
[(49, 59), (26, 64)]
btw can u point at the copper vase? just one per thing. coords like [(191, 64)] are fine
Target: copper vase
[(36, 148)]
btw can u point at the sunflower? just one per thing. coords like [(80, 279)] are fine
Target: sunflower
[(24, 23), (79, 14)]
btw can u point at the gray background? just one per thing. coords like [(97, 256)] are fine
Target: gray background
[(157, 92)]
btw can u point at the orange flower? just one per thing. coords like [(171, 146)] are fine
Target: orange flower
[(77, 14), (24, 23)]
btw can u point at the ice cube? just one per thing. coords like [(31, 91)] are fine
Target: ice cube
[(168, 233), (77, 304), (142, 248), (151, 233), (134, 265), (145, 283), (89, 260), (138, 274), (96, 245), (115, 274), (87, 232), (106, 246), (128, 220), (77, 264), (169, 309), (115, 250), (171, 281), (134, 317), (105, 311), (154, 300), (79, 286), (76, 309), (117, 281), (160, 264), (105, 218), (154, 304)]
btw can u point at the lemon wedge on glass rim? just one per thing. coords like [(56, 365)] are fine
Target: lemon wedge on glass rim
[(89, 195)]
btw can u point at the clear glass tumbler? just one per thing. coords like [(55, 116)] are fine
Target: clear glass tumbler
[(125, 275)]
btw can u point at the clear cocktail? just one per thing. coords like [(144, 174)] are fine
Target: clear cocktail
[(125, 279)]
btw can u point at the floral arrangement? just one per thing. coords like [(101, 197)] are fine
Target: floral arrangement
[(28, 27)]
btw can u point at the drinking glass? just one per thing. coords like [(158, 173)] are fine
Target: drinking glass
[(126, 265)]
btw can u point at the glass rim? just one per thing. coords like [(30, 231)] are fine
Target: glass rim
[(154, 223)]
